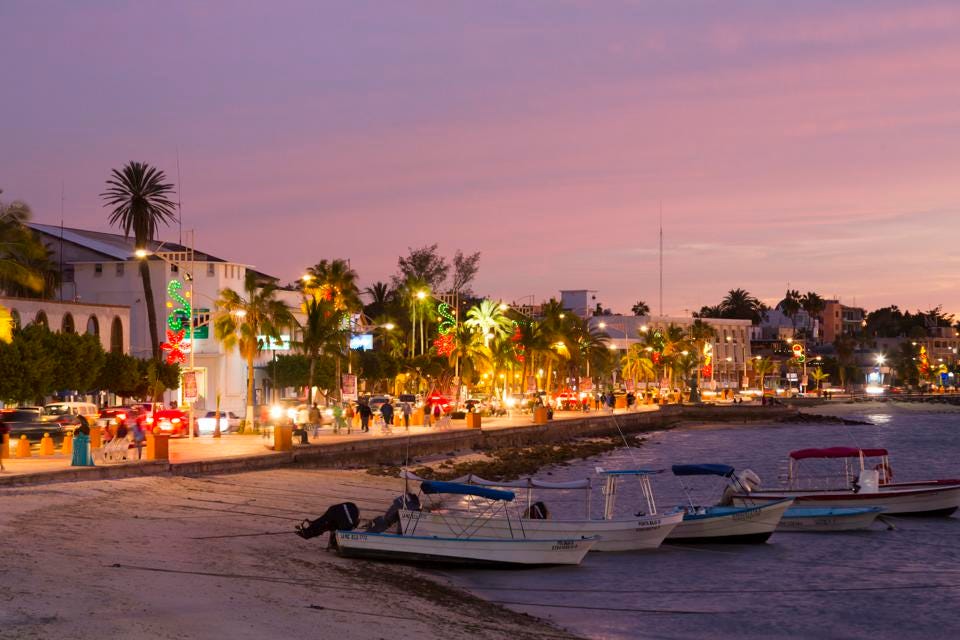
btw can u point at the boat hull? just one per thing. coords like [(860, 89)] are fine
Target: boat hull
[(814, 520), (739, 525), (923, 500), (457, 551), (634, 534)]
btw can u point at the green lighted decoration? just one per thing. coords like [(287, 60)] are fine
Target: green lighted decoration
[(446, 323), (177, 325)]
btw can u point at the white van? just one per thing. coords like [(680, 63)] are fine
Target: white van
[(86, 409)]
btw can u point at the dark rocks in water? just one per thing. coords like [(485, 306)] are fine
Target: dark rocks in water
[(812, 418)]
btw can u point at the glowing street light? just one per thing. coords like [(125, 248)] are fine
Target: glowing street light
[(389, 326), (421, 295), (881, 359), (602, 325), (141, 253)]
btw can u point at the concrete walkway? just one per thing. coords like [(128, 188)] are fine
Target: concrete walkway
[(234, 448)]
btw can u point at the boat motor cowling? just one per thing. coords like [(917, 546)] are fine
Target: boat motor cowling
[(339, 517)]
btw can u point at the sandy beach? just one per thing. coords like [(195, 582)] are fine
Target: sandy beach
[(147, 558)]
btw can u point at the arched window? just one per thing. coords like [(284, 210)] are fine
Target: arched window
[(41, 319), (68, 326), (93, 326), (116, 336), (16, 318)]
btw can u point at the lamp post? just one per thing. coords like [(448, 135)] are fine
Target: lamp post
[(180, 260)]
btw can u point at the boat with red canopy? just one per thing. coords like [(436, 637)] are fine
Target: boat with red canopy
[(856, 477)]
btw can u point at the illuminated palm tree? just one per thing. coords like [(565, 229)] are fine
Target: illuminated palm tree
[(819, 377), (336, 282), (489, 320), (246, 320), (139, 198), (762, 368), (636, 364), (701, 333), (19, 247)]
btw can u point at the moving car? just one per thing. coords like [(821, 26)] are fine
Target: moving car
[(29, 421), (172, 422), (118, 415), (229, 421)]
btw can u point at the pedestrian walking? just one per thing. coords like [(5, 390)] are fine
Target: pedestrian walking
[(406, 410), (365, 414), (386, 411), (337, 417), (139, 435), (436, 414), (315, 419)]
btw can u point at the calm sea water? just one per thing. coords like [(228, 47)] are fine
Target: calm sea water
[(903, 583)]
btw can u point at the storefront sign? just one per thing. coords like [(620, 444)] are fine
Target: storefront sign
[(348, 386)]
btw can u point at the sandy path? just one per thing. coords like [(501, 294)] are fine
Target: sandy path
[(126, 559)]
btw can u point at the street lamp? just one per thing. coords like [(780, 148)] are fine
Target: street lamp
[(182, 260)]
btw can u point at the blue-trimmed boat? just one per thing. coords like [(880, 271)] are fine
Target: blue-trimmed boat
[(463, 549), (722, 523)]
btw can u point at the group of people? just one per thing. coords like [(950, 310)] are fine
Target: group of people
[(311, 420)]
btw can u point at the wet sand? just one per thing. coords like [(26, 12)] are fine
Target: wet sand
[(140, 558)]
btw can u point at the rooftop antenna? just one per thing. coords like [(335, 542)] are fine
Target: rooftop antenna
[(661, 258), (179, 207)]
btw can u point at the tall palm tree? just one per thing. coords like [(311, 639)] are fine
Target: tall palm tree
[(245, 320), (738, 303), (139, 198), (791, 305), (380, 295), (322, 332), (336, 281), (701, 333), (19, 250), (636, 364), (472, 354), (814, 305), (641, 308), (487, 318)]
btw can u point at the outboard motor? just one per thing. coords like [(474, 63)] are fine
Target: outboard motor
[(392, 516), (537, 511), (342, 517)]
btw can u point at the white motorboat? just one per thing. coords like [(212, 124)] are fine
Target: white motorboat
[(457, 548), (813, 519), (462, 551), (722, 523), (645, 530), (855, 485)]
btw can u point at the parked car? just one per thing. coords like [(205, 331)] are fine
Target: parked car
[(172, 422), (29, 421), (86, 409), (229, 421)]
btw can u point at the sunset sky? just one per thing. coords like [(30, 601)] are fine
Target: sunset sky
[(809, 143)]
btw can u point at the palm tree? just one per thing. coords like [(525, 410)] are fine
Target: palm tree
[(636, 364), (489, 320), (700, 334), (139, 196), (246, 320), (819, 376), (335, 281), (845, 348), (738, 303), (380, 295), (641, 308), (791, 305), (321, 331), (814, 305), (762, 368), (19, 248), (472, 354)]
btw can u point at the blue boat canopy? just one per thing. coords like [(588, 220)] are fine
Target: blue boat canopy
[(435, 486), (724, 470)]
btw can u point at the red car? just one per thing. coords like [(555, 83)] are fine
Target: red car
[(172, 422)]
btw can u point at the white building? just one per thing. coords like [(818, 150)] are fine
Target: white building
[(730, 349), (101, 269), (110, 323)]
